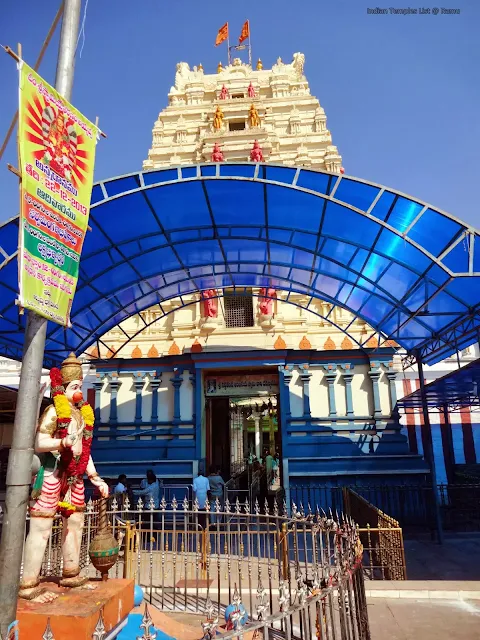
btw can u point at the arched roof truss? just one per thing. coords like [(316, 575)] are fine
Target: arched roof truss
[(411, 271)]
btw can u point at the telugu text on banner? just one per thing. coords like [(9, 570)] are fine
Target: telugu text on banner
[(57, 155)]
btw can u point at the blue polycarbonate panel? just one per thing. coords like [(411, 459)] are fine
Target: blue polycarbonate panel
[(384, 205), (375, 309), (112, 279), (375, 266), (414, 329), (457, 260), (121, 185), (279, 174), (254, 251), (356, 193), (208, 170), (199, 253), (456, 386), (125, 219), (403, 214), (338, 250), (163, 241), (437, 321), (97, 194), (328, 286), (434, 231), (240, 170), (345, 224), (285, 205), (189, 172), (316, 181), (324, 265), (182, 236), (463, 289), (156, 177), (246, 232), (398, 280), (401, 251), (180, 205), (280, 235), (157, 261), (235, 203)]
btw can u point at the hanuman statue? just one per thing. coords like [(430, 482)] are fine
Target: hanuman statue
[(218, 118), (63, 442), (254, 117)]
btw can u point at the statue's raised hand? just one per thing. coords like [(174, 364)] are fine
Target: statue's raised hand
[(69, 441)]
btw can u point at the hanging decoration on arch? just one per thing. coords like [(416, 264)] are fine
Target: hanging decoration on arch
[(57, 155)]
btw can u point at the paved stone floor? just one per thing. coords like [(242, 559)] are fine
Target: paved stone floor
[(397, 619), (457, 559)]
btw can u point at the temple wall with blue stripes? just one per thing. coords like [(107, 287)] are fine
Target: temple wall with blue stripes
[(336, 418)]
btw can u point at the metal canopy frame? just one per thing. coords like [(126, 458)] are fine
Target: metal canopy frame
[(409, 270), (453, 391)]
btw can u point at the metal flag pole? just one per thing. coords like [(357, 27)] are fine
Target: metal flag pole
[(228, 45), (429, 454), (249, 45), (19, 471)]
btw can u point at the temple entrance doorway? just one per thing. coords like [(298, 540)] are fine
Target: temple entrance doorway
[(243, 434)]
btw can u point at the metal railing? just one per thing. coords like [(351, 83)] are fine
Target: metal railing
[(381, 537), (296, 576), (411, 505)]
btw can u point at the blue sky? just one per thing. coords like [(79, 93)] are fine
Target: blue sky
[(401, 92)]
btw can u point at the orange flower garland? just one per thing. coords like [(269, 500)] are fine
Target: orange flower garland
[(72, 467)]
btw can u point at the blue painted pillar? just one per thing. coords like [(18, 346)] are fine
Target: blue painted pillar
[(331, 376), (114, 385), (192, 379), (305, 375), (375, 373), (155, 382), (177, 383), (138, 381), (347, 372), (198, 412), (98, 384), (285, 379)]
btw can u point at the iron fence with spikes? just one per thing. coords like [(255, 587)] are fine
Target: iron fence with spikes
[(276, 575)]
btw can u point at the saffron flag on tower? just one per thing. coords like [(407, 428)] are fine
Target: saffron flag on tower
[(57, 154), (245, 32), (222, 34)]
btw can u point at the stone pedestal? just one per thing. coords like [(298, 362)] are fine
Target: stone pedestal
[(75, 613)]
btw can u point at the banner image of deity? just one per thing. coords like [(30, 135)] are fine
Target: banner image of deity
[(57, 156)]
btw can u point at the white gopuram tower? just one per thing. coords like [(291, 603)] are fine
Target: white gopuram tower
[(238, 106)]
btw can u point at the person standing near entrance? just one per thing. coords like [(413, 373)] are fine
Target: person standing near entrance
[(201, 487), (217, 487)]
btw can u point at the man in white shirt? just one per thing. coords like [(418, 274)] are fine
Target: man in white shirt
[(121, 486), (201, 487)]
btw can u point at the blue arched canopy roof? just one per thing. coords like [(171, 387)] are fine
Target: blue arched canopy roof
[(409, 270)]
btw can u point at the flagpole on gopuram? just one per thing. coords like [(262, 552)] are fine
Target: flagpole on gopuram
[(245, 35), (223, 35)]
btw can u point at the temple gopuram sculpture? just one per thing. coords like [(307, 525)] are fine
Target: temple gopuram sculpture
[(217, 154), (62, 442), (266, 301), (253, 117), (218, 119), (210, 303), (251, 91), (223, 93), (256, 154)]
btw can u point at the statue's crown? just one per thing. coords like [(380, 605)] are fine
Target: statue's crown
[(71, 369)]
